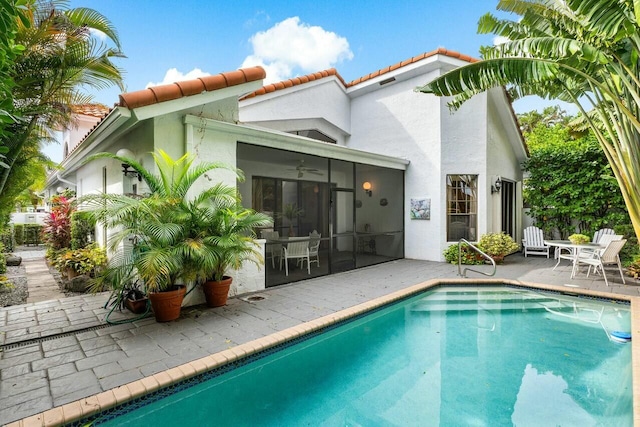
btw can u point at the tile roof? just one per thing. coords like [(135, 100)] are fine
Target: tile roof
[(439, 51), (295, 82), (332, 72), (157, 94), (93, 110)]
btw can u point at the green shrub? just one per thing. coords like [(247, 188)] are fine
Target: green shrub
[(82, 229), (6, 238), (469, 256), (18, 234), (497, 244), (3, 260), (32, 234)]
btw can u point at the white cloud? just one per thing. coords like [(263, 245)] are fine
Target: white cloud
[(173, 75), (292, 45), (498, 40), (98, 34)]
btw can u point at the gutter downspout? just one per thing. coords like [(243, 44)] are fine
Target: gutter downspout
[(61, 179)]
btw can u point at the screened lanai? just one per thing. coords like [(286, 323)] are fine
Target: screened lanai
[(355, 209)]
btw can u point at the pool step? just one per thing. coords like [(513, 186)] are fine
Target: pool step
[(496, 305)]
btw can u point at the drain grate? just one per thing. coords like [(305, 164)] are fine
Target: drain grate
[(254, 298), (25, 343)]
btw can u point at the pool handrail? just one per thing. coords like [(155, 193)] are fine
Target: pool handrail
[(463, 273)]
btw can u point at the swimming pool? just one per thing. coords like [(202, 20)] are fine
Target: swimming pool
[(451, 356)]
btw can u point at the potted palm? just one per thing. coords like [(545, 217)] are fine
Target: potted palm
[(161, 238), (232, 238), (291, 211)]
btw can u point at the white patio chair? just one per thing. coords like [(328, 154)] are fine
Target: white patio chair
[(295, 250), (608, 256), (272, 250), (533, 242), (603, 242), (314, 247), (600, 233)]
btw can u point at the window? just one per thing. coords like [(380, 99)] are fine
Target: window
[(314, 134), (462, 207)]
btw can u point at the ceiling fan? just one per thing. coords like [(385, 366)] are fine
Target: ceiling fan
[(302, 169)]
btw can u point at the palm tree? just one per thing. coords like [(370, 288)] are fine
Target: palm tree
[(60, 57), (173, 235), (581, 51)]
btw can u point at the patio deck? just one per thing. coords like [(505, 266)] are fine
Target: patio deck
[(56, 352)]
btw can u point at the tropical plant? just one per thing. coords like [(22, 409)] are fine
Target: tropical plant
[(12, 13), (59, 57), (468, 256), (168, 235), (581, 51), (497, 244), (291, 212), (88, 260), (57, 229)]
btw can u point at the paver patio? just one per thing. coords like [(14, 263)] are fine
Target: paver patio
[(58, 351)]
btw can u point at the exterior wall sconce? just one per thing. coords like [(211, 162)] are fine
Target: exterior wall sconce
[(123, 152), (367, 188), (496, 185)]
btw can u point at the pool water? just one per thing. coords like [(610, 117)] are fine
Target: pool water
[(485, 356)]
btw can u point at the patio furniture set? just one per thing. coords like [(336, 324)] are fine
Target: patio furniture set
[(284, 249), (602, 251)]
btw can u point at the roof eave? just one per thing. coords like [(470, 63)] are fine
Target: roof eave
[(108, 126)]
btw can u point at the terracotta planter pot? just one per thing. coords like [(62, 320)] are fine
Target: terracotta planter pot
[(215, 292), (499, 259), (166, 305), (71, 273), (137, 306)]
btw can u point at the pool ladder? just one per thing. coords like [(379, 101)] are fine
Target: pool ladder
[(462, 272)]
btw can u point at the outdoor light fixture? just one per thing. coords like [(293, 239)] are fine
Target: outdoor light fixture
[(497, 185), (123, 152), (367, 188)]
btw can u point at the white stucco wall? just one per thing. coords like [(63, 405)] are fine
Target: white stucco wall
[(78, 129), (395, 120), (280, 110), (464, 151)]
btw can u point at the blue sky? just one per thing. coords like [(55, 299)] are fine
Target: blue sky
[(166, 41)]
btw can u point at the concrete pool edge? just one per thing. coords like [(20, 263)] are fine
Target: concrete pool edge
[(95, 404)]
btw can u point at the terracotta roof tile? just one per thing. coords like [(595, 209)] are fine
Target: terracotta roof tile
[(156, 94), (439, 51), (295, 81), (93, 110), (191, 87)]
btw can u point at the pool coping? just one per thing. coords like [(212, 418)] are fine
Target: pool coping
[(92, 405)]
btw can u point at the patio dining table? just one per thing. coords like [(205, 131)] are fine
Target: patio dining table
[(574, 251)]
